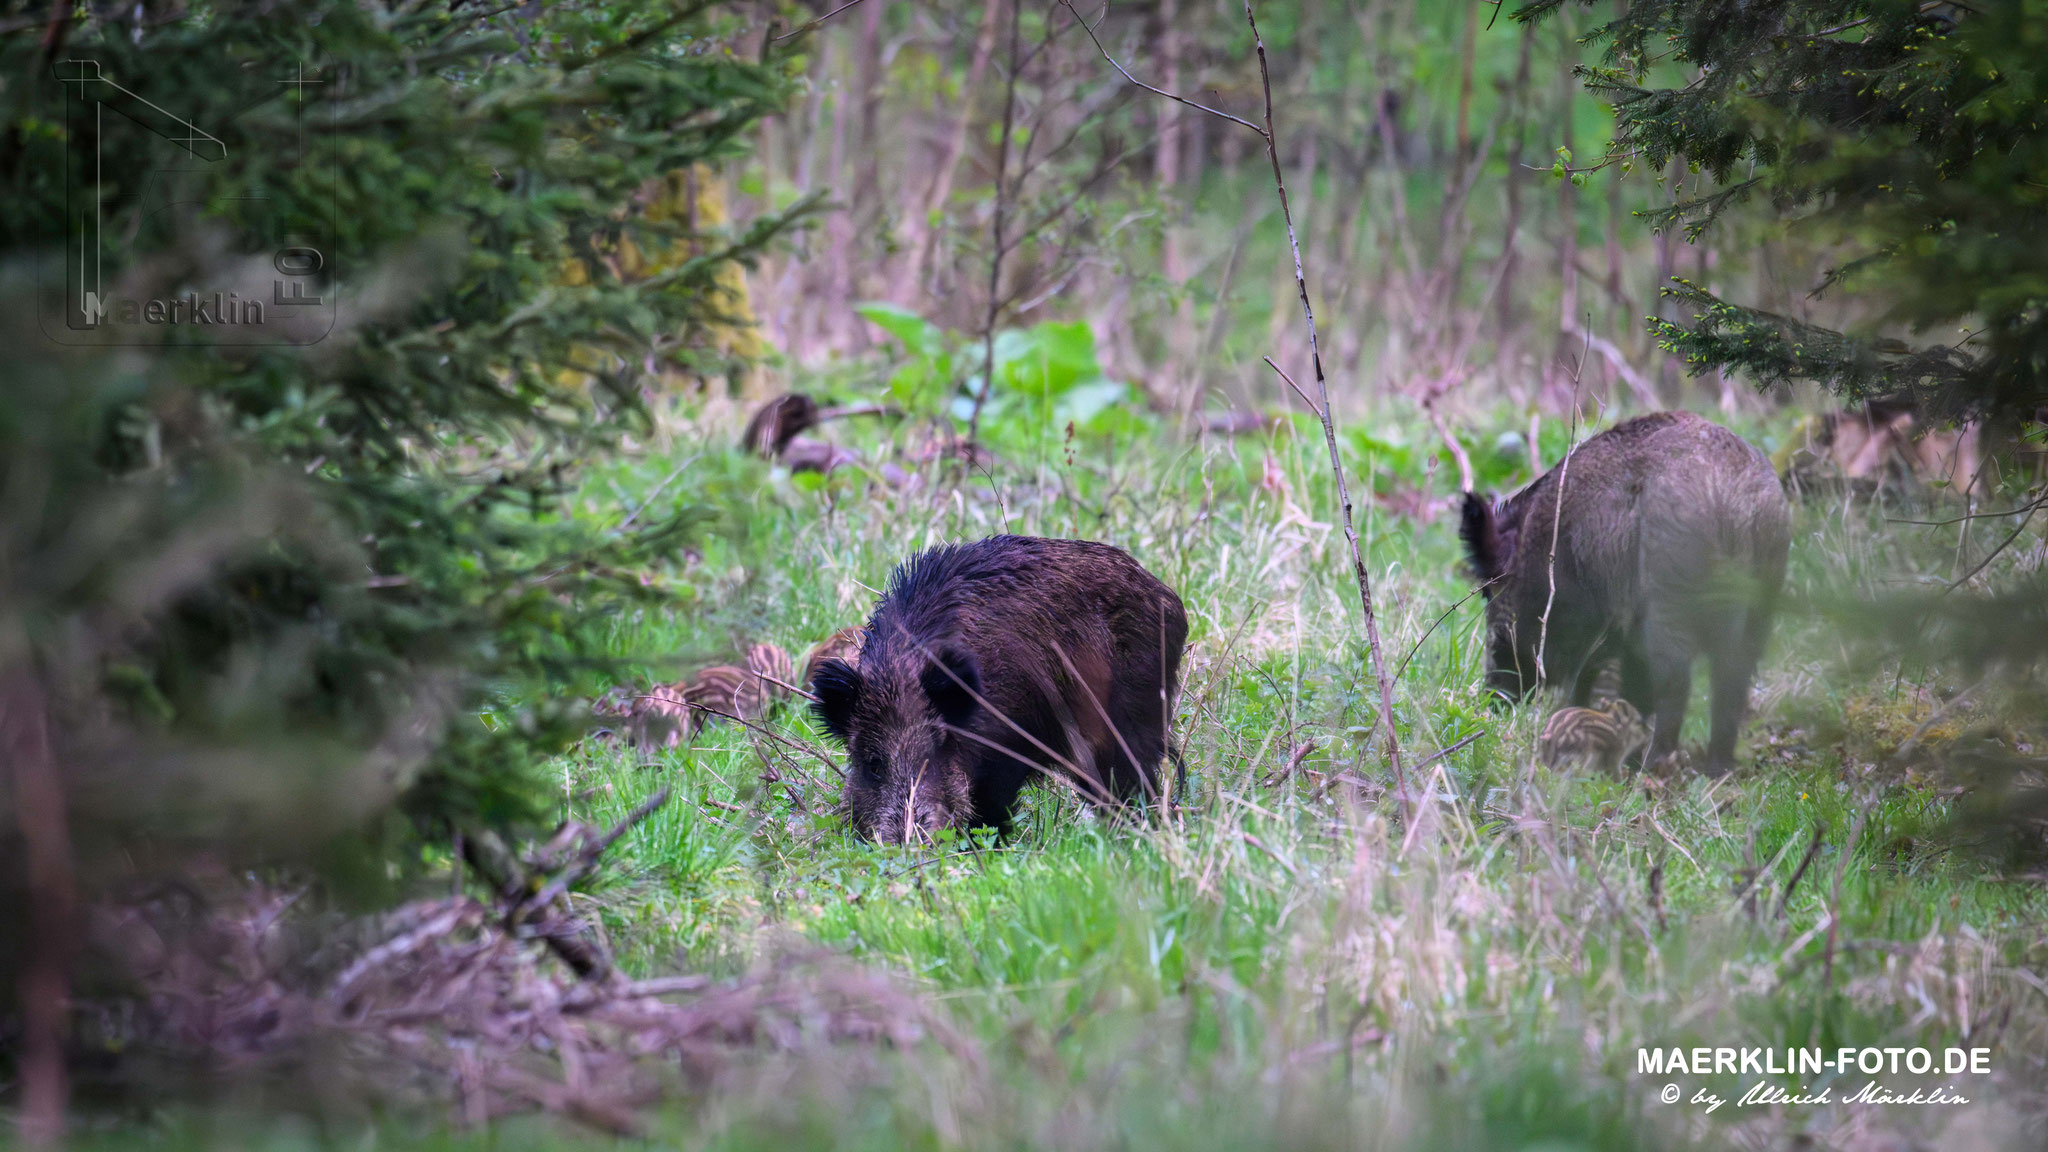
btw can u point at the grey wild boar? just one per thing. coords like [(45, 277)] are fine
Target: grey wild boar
[(987, 664), (1670, 541)]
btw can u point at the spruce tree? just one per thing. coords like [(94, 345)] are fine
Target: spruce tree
[(1912, 133), (302, 585)]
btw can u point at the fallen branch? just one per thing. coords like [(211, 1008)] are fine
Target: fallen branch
[(1295, 756), (528, 893), (440, 1005), (586, 861)]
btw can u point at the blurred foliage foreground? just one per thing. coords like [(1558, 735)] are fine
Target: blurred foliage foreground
[(305, 600), (286, 579)]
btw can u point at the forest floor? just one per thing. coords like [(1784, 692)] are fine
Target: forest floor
[(1283, 962)]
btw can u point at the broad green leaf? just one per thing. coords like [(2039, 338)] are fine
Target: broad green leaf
[(1083, 403), (918, 335)]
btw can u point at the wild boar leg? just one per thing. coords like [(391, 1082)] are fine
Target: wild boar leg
[(1635, 678), (1734, 671), (1670, 664), (1731, 676)]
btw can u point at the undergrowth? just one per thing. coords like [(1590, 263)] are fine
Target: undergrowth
[(1276, 960)]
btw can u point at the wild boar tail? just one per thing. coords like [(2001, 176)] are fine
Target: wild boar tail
[(1479, 528)]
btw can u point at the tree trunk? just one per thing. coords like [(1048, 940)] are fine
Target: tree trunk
[(1670, 385), (867, 192), (1508, 322), (45, 982), (1166, 153), (922, 225), (1566, 350), (836, 296), (795, 289), (1174, 372), (1467, 55), (998, 239)]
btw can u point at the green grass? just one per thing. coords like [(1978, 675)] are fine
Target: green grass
[(1189, 983), (1274, 966)]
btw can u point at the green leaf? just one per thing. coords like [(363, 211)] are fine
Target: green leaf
[(1086, 401), (1047, 359), (919, 336)]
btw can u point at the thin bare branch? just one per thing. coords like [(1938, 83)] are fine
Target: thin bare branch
[(1125, 73), (812, 25), (1305, 398), (44, 980), (2028, 507), (787, 686), (807, 749), (2018, 528), (1564, 475), (586, 862), (1321, 403), (1372, 632)]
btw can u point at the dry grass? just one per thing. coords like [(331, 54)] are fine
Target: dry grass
[(1279, 958), (436, 1005), (1280, 962)]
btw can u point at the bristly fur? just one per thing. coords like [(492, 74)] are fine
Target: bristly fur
[(1671, 535), (1479, 528), (990, 663), (951, 681), (836, 684)]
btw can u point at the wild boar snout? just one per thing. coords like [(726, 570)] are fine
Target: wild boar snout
[(906, 766), (989, 665)]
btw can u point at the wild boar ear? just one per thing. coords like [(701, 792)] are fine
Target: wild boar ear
[(951, 681), (1479, 527), (837, 686)]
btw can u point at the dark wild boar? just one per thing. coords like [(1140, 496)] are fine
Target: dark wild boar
[(987, 663), (1671, 534)]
